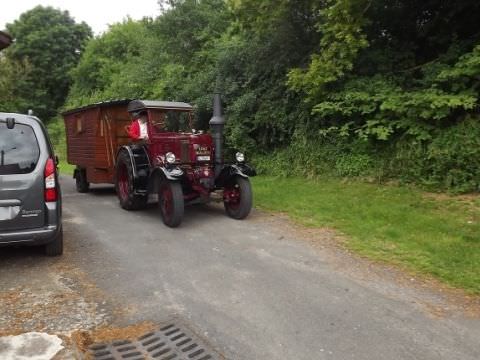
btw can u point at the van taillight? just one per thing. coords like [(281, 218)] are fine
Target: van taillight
[(50, 185)]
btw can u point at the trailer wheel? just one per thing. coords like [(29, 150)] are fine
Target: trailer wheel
[(237, 197), (171, 202), (124, 184), (81, 182)]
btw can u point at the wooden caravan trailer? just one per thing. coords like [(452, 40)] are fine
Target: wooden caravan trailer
[(94, 135)]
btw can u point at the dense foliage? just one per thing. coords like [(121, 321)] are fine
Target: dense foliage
[(34, 72), (381, 89)]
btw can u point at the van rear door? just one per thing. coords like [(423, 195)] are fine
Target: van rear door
[(22, 204)]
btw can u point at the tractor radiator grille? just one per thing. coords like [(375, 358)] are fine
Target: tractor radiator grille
[(184, 151)]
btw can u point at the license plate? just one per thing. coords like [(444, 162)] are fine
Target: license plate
[(9, 212), (203, 158)]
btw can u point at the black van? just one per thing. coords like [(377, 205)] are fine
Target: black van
[(30, 198)]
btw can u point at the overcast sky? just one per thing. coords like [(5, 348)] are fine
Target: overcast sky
[(96, 13)]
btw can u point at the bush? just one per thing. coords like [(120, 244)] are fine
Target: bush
[(453, 157), (56, 131), (353, 165), (325, 156), (449, 161)]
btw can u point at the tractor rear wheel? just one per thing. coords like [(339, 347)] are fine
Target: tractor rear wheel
[(171, 202), (237, 197), (124, 184)]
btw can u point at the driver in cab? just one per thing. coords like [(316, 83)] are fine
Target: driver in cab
[(138, 129)]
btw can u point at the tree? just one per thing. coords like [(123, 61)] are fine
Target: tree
[(51, 42), (112, 65), (14, 84), (349, 87)]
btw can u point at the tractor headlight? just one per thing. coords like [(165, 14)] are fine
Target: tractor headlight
[(170, 157), (240, 157)]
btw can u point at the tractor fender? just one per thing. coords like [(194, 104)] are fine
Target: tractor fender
[(130, 155), (159, 173), (140, 165), (229, 171), (171, 173)]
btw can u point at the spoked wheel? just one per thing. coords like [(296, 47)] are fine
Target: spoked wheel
[(124, 185), (171, 203), (237, 197), (122, 182), (81, 182)]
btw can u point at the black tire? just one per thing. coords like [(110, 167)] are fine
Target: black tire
[(55, 248), (242, 205), (124, 185), (81, 181), (171, 202)]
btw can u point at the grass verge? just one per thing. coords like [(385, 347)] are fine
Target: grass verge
[(56, 130), (66, 168), (435, 235)]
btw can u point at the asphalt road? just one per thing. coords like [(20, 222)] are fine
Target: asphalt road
[(253, 288)]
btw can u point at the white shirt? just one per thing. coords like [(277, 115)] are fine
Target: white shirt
[(143, 130)]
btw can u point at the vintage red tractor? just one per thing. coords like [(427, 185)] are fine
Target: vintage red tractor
[(180, 164)]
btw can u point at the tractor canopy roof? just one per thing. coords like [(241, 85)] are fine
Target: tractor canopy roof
[(139, 105)]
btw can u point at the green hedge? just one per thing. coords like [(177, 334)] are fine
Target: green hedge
[(450, 161)]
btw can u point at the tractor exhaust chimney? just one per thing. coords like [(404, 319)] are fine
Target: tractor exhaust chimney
[(217, 124)]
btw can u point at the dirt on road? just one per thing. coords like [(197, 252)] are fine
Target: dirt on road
[(51, 295)]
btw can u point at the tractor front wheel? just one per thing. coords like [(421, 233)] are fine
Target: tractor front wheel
[(124, 184), (237, 197), (171, 202)]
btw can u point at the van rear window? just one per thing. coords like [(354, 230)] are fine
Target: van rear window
[(19, 150)]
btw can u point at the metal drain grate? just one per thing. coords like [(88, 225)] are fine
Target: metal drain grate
[(168, 343)]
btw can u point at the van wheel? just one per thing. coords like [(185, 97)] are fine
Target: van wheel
[(237, 197), (171, 202), (55, 248), (124, 184), (81, 181)]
